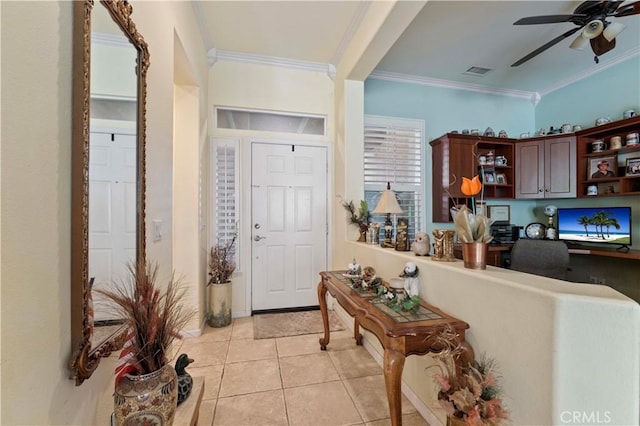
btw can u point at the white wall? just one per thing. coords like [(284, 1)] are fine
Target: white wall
[(36, 195)]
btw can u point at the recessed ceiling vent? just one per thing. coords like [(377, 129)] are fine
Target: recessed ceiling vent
[(477, 71)]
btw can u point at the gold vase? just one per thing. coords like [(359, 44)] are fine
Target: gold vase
[(475, 255), (455, 421)]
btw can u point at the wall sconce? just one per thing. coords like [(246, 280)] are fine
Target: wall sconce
[(388, 205)]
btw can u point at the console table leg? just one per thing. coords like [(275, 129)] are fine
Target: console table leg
[(393, 365), (356, 332), (322, 300)]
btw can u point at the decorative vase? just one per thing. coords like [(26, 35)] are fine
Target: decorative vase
[(220, 300), (147, 399), (455, 421), (474, 255)]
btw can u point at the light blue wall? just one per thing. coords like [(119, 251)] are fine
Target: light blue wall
[(444, 110), (605, 94)]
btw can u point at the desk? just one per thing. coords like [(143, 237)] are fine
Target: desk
[(400, 336)]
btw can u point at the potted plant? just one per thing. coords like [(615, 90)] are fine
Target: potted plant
[(360, 217), (146, 384), (221, 267)]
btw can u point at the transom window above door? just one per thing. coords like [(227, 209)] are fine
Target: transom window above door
[(270, 121)]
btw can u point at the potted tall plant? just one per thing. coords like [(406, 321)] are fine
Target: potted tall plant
[(146, 384), (221, 267)]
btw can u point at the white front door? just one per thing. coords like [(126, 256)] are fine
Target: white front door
[(112, 217), (289, 224)]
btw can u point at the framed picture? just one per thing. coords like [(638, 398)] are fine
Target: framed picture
[(489, 178), (603, 167), (402, 234), (500, 214), (501, 178), (633, 166)]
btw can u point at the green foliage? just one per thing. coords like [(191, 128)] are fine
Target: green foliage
[(359, 217)]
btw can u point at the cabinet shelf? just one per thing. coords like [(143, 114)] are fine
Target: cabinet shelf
[(621, 184)]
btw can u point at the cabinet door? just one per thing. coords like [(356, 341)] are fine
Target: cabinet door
[(462, 162), (530, 169), (560, 168)]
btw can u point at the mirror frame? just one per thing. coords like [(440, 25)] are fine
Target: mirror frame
[(84, 358)]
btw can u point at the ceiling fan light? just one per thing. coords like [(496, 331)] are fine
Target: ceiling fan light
[(579, 43), (612, 30), (593, 29)]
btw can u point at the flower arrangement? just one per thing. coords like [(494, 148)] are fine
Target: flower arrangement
[(470, 394), (154, 317), (471, 226), (221, 264)]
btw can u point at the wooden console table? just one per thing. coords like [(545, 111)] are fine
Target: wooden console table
[(400, 334)]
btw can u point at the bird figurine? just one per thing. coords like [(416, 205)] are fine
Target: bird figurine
[(185, 382), (411, 282), (421, 245)]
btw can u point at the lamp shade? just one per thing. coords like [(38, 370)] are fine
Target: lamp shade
[(593, 29), (612, 30), (579, 43), (388, 203)]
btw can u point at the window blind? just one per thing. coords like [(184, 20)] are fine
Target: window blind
[(393, 152), (226, 194)]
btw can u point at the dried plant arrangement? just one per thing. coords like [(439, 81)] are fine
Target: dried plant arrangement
[(154, 316), (221, 263)]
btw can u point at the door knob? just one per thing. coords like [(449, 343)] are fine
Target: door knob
[(258, 238)]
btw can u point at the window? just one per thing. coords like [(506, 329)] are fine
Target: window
[(225, 210), (393, 152), (270, 121)]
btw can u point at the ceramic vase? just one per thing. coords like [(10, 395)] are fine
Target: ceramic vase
[(220, 300), (147, 399), (474, 255), (455, 421)]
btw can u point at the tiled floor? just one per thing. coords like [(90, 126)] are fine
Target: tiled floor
[(288, 380)]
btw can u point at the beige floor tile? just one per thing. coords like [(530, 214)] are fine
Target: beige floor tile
[(242, 328), (321, 404), (251, 350), (212, 378), (262, 408), (307, 369), (214, 334), (370, 396), (205, 353), (298, 345), (251, 376), (413, 419), (355, 362), (341, 340), (205, 415)]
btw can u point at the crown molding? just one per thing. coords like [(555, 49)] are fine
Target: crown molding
[(447, 84), (595, 69), (351, 30), (229, 55)]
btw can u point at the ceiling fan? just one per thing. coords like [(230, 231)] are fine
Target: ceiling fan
[(591, 18)]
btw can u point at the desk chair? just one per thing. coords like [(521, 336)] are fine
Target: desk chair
[(541, 257)]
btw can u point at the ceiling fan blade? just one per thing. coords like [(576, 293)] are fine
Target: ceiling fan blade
[(628, 10), (600, 45), (546, 46), (551, 19)]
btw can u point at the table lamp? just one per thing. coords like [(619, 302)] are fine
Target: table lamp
[(388, 205)]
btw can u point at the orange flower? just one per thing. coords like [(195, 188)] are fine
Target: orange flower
[(471, 187)]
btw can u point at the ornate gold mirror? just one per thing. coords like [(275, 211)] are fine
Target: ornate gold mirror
[(110, 61)]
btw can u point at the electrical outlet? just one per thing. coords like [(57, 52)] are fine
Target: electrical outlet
[(602, 280), (593, 279)]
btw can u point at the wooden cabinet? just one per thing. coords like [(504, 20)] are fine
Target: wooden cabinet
[(546, 167), (455, 156), (626, 180)]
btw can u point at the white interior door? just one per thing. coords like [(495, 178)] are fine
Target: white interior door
[(112, 212), (289, 224)]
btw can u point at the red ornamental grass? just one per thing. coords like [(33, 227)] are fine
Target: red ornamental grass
[(155, 315)]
